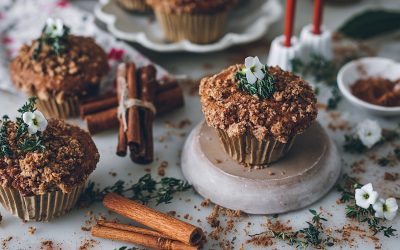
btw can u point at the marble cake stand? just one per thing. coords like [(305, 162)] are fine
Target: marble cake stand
[(306, 174)]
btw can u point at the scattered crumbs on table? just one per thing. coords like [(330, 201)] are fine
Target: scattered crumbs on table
[(391, 176), (180, 125), (88, 244), (161, 168), (31, 230), (5, 242)]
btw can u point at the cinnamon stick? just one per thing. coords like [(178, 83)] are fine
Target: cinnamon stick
[(165, 224), (129, 228), (145, 153), (166, 101), (102, 121), (133, 134), (140, 239), (104, 103), (122, 138)]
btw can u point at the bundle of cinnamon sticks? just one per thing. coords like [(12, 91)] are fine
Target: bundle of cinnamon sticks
[(135, 129), (166, 233)]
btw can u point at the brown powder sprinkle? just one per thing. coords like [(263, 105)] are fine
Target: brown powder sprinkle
[(391, 176), (5, 242), (378, 91), (205, 203), (87, 244)]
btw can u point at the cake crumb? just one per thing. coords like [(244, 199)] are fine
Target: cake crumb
[(32, 230), (391, 176), (205, 203), (161, 168)]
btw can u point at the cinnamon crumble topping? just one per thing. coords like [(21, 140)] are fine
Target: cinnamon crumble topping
[(70, 155), (290, 111)]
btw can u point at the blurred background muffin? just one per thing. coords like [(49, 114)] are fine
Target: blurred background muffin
[(59, 68), (138, 6), (199, 21)]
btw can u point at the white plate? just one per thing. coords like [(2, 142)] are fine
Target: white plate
[(247, 23)]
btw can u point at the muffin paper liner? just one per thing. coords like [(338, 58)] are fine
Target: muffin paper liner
[(135, 5), (196, 28), (52, 109), (247, 149), (39, 207)]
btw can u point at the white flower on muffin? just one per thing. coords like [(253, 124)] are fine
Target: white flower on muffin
[(35, 121), (369, 132), (54, 27), (386, 208), (366, 196), (253, 69)]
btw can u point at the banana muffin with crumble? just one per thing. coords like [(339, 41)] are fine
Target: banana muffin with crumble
[(44, 165), (257, 110), (59, 68)]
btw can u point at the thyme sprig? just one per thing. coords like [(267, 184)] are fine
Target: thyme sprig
[(144, 191), (311, 236), (4, 147), (262, 88), (323, 71), (361, 214), (58, 44)]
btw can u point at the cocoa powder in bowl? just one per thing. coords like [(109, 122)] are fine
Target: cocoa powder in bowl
[(377, 90)]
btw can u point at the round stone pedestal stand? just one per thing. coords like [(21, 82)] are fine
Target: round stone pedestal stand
[(303, 176)]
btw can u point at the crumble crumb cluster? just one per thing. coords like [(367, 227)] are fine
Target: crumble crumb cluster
[(77, 71), (69, 157), (290, 111)]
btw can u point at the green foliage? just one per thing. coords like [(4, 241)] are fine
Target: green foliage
[(58, 44), (371, 23), (4, 147), (323, 71), (361, 214), (311, 236), (263, 89), (144, 191), (352, 144)]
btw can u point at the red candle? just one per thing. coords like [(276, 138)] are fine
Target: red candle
[(317, 16), (289, 20)]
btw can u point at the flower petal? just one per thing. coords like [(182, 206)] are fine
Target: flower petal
[(378, 206), (27, 117), (249, 62), (373, 196), (32, 129), (251, 78), (367, 188), (360, 200), (257, 62), (391, 204), (379, 214), (259, 74)]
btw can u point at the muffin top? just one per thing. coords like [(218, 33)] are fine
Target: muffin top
[(74, 66), (192, 6), (59, 158), (288, 111)]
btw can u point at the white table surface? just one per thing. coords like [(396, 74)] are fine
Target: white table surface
[(66, 232)]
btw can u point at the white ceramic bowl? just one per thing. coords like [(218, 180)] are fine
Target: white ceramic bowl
[(373, 67)]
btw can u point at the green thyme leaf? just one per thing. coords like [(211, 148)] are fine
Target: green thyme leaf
[(144, 191), (263, 89)]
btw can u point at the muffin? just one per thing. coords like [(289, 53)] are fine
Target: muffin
[(59, 69), (199, 21), (139, 6), (44, 165), (257, 121)]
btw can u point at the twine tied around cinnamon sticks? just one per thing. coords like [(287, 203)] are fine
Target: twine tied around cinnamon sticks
[(125, 102)]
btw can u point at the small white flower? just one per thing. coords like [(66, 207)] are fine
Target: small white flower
[(254, 69), (35, 121), (366, 196), (369, 132), (386, 208), (54, 27)]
